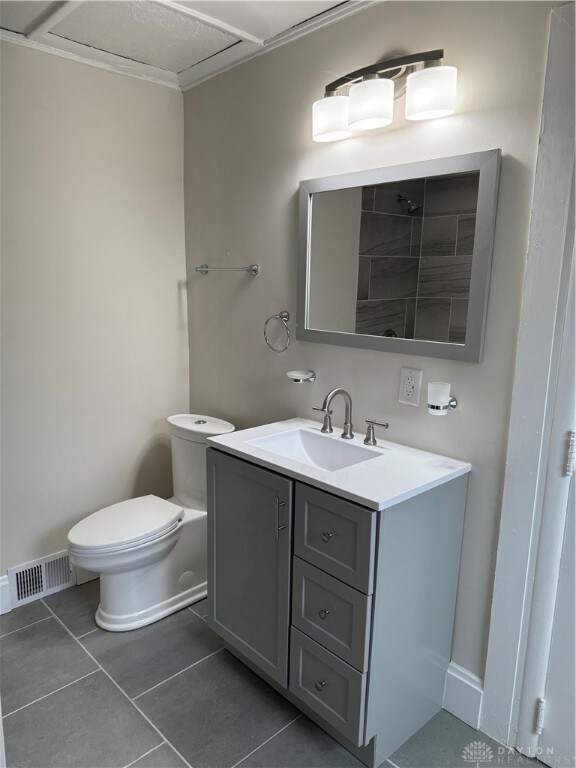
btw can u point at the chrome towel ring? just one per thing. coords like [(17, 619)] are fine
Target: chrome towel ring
[(277, 335)]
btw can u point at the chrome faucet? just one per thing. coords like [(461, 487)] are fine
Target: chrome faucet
[(347, 433)]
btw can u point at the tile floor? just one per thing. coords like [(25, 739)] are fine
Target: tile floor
[(167, 696)]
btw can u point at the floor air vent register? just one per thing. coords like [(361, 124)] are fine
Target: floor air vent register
[(39, 578)]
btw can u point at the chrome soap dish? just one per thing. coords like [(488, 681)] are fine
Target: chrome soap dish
[(299, 377)]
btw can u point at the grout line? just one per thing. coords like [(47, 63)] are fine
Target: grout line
[(109, 676), (8, 714), (197, 614), (87, 633), (391, 763), (178, 673), (25, 626), (270, 739), (145, 753)]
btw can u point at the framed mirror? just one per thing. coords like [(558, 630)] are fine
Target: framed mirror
[(398, 258)]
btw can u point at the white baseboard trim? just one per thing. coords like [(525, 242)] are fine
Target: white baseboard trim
[(5, 601), (463, 694), (82, 575)]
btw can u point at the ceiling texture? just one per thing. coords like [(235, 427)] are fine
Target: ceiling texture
[(173, 42)]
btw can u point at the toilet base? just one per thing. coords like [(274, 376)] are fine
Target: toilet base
[(124, 622), (134, 598)]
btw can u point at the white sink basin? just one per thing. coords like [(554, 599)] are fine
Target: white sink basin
[(376, 477), (314, 449)]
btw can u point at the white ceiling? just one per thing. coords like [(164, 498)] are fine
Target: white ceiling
[(175, 42)]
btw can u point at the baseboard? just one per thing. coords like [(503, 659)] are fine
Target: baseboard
[(463, 694), (5, 601), (82, 575)]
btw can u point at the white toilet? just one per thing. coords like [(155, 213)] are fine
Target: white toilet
[(151, 553)]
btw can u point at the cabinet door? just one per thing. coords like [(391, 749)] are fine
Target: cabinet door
[(249, 535)]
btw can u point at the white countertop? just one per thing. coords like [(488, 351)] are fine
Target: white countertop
[(395, 474)]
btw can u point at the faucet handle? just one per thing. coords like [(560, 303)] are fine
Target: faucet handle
[(370, 439), (327, 423)]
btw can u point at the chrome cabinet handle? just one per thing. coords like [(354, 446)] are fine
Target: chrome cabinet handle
[(326, 536), (319, 685), (279, 505), (323, 613)]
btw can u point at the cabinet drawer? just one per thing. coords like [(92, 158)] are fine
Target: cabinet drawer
[(332, 613), (329, 686), (335, 535)]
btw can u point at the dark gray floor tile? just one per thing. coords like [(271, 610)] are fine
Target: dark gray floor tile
[(217, 712), (201, 608), (37, 660), (87, 724), (162, 757), (75, 607), (447, 742), (142, 658), (22, 616), (302, 745)]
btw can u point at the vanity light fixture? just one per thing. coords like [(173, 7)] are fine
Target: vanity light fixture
[(371, 103), (430, 91)]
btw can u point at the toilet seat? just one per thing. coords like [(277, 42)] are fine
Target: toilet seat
[(125, 525)]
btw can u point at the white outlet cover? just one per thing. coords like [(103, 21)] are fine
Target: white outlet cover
[(410, 384)]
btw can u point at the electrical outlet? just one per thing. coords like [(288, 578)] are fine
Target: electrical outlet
[(410, 383)]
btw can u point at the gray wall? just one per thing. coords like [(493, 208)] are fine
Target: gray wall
[(94, 337), (247, 146), (333, 259)]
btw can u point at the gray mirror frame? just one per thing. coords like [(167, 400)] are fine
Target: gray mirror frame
[(488, 164)]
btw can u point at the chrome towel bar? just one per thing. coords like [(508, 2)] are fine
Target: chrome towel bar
[(253, 269)]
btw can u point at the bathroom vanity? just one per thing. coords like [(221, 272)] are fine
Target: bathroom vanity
[(337, 586)]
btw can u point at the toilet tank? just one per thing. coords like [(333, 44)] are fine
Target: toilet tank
[(188, 434)]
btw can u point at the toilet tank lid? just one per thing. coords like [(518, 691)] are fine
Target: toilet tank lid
[(194, 426), (126, 523)]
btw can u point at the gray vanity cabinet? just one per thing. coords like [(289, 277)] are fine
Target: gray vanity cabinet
[(249, 552), (363, 598)]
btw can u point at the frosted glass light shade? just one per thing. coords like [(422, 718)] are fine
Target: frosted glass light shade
[(371, 104), (431, 93), (330, 119)]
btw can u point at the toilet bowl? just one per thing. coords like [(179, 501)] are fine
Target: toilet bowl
[(151, 553)]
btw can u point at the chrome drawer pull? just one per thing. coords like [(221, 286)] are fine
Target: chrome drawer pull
[(319, 685), (323, 613), (326, 536)]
